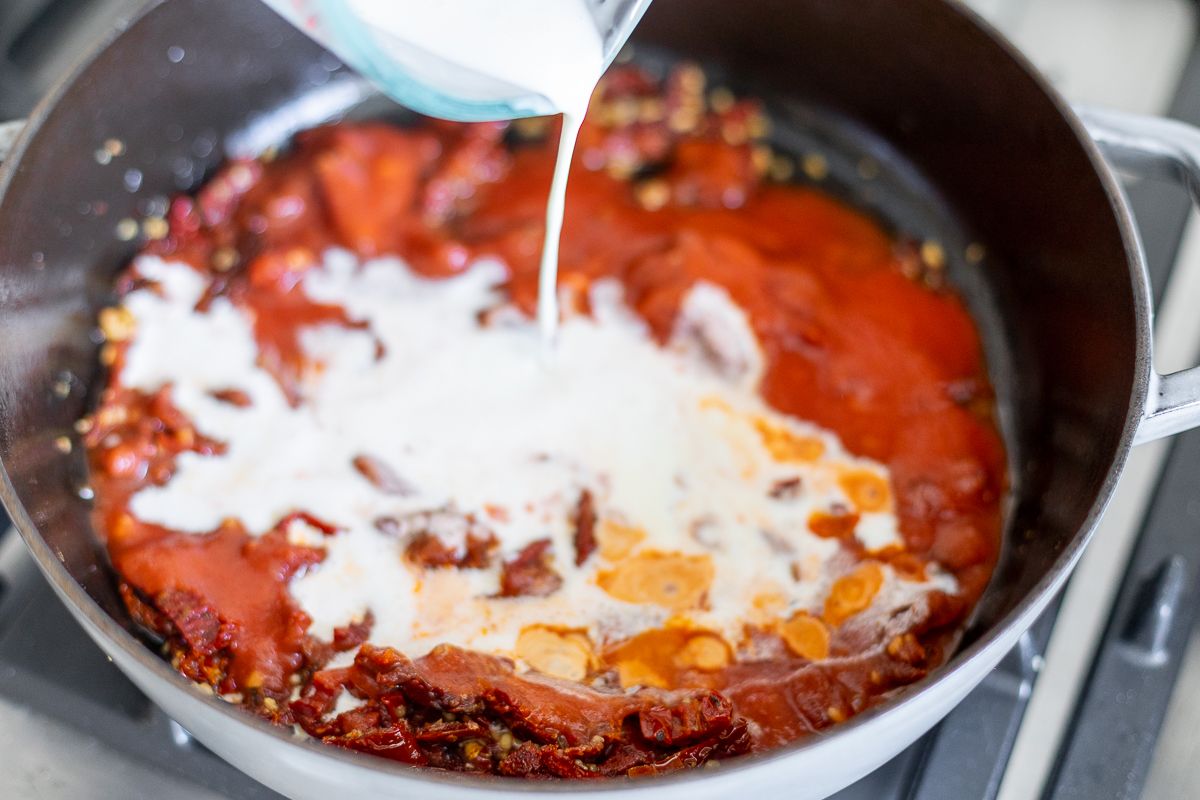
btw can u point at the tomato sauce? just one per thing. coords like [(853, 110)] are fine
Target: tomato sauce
[(666, 191)]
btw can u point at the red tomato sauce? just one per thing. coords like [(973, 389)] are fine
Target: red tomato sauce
[(666, 191)]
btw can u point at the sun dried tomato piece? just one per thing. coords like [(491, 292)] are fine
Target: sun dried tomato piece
[(460, 710), (475, 158), (584, 520), (442, 538), (354, 634), (387, 667), (136, 436), (561, 764), (396, 743), (695, 717), (731, 741), (429, 550), (359, 720), (521, 719), (530, 573), (522, 762), (142, 612), (626, 755), (319, 698), (194, 620)]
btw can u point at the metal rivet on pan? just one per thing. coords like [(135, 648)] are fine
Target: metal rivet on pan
[(175, 54), (63, 444), (86, 492)]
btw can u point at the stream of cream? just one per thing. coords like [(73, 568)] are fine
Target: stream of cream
[(541, 55), (547, 309)]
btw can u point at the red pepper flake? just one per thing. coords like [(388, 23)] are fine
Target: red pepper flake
[(235, 397), (308, 519), (786, 489), (382, 476), (584, 520)]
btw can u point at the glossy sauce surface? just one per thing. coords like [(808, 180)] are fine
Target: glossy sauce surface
[(668, 190)]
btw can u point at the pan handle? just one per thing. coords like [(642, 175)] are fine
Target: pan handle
[(1153, 147), (9, 131)]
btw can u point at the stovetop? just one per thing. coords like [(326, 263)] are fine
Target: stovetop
[(1075, 711)]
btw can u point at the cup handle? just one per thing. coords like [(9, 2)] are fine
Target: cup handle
[(1162, 149)]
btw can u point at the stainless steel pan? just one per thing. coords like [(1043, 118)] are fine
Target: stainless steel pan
[(972, 146)]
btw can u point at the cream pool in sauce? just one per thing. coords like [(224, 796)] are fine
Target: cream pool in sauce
[(683, 461)]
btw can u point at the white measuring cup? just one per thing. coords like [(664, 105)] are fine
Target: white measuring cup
[(420, 52)]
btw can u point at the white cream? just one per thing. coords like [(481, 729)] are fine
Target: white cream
[(664, 438), (556, 206)]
